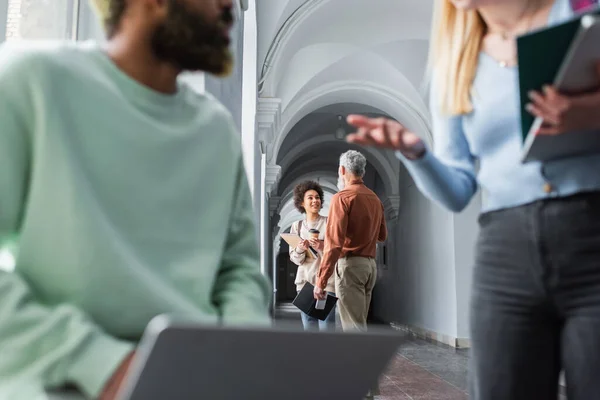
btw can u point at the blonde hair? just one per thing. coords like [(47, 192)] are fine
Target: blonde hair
[(102, 7), (453, 55)]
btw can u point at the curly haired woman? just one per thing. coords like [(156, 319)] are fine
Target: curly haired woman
[(308, 199)]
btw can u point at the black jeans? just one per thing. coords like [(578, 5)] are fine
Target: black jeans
[(535, 305)]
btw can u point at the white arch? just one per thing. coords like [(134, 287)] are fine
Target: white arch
[(388, 174), (330, 62), (387, 100), (327, 180), (284, 40)]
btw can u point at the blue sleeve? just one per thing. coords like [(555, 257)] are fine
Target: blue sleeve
[(446, 175)]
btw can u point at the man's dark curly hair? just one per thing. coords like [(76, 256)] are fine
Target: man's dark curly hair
[(301, 189), (110, 12)]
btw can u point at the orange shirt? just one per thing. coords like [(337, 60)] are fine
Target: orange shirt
[(356, 223)]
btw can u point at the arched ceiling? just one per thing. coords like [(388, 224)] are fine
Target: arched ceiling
[(325, 58), (315, 53), (312, 145), (314, 41), (323, 121)]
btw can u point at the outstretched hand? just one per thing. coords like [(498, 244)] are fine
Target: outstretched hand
[(385, 133)]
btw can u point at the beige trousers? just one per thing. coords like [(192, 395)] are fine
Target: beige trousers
[(354, 281)]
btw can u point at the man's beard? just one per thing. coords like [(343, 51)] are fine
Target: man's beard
[(191, 43), (341, 184)]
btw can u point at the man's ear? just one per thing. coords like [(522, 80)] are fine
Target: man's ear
[(162, 4), (154, 10)]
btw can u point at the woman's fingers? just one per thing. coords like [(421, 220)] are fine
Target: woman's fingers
[(383, 132), (542, 105), (548, 130), (360, 121), (380, 132), (542, 112)]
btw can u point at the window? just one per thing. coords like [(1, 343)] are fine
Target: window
[(44, 19), (7, 260), (41, 19)]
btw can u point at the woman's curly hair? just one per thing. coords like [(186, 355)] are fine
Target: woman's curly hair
[(301, 189)]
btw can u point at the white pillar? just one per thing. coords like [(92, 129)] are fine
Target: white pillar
[(276, 243), (267, 126), (269, 178), (249, 95), (264, 216)]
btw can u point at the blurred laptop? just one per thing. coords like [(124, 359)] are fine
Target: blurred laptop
[(191, 361)]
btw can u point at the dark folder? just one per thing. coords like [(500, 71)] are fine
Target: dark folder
[(540, 56), (306, 302)]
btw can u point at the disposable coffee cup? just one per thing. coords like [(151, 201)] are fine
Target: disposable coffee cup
[(314, 233)]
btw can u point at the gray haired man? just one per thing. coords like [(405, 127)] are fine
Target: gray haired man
[(356, 223)]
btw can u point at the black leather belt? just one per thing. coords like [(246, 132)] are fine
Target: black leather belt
[(357, 255)]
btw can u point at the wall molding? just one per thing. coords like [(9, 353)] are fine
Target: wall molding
[(426, 334), (268, 119)]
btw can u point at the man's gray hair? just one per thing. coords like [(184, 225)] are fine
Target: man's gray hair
[(354, 162)]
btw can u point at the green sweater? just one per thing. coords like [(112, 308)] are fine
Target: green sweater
[(124, 203)]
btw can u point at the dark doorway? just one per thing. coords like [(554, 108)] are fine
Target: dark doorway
[(286, 290)]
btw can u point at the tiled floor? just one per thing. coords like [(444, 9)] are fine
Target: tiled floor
[(423, 370), (420, 371)]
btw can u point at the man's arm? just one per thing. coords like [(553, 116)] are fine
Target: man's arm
[(382, 236), (335, 235), (241, 292), (40, 346)]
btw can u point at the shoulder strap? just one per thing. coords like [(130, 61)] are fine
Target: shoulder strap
[(582, 5), (298, 227)]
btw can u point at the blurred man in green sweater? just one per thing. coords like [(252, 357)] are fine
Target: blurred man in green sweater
[(125, 193)]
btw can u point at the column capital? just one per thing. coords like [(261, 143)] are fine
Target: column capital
[(268, 117), (391, 205), (272, 178)]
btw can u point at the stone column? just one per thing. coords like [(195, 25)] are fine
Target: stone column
[(392, 207), (267, 125), (271, 176)]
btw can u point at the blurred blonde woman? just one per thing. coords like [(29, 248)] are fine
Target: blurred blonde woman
[(308, 199), (535, 306)]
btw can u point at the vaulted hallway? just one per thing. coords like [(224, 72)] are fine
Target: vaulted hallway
[(301, 67), (306, 68)]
